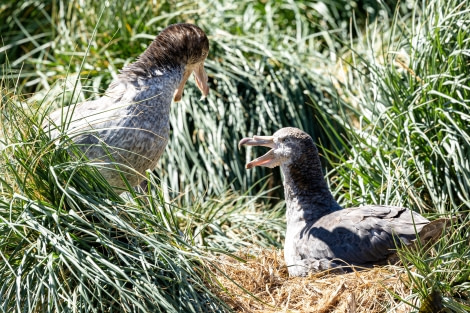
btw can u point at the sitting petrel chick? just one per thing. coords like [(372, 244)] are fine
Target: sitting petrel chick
[(320, 233), (127, 129)]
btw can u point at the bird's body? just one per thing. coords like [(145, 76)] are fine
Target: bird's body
[(127, 129), (321, 234)]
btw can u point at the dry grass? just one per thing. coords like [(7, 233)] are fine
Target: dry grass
[(264, 275)]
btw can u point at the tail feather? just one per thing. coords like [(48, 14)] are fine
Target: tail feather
[(432, 231), (427, 236)]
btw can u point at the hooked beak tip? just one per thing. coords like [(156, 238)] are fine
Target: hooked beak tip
[(177, 96), (243, 142)]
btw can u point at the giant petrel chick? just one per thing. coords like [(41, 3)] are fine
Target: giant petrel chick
[(320, 233), (127, 129)]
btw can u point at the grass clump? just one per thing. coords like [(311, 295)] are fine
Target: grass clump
[(407, 140), (412, 108), (70, 243)]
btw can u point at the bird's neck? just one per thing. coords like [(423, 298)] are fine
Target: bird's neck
[(307, 195), (155, 85)]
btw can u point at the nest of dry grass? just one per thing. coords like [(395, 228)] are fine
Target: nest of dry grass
[(264, 275)]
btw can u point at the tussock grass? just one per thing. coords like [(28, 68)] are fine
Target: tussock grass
[(70, 243), (407, 140), (409, 136)]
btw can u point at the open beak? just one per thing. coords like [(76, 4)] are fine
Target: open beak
[(267, 160), (201, 80)]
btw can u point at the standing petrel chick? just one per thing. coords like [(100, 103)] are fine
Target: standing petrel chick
[(127, 129), (320, 233)]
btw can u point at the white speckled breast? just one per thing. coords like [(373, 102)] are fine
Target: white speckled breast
[(127, 126)]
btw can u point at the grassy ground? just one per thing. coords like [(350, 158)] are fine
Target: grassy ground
[(384, 90)]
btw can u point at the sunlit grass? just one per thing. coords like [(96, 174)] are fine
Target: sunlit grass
[(407, 142), (70, 242)]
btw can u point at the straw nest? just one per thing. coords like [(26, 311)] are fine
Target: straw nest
[(264, 275)]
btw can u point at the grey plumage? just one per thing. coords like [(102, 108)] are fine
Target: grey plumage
[(129, 125), (320, 233)]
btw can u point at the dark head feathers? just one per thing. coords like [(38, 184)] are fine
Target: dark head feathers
[(177, 45), (292, 132)]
